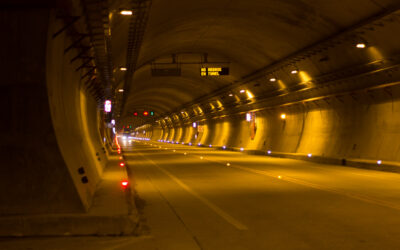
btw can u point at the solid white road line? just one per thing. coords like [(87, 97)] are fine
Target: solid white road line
[(208, 203)]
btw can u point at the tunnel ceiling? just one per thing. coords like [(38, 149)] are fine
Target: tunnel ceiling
[(245, 36)]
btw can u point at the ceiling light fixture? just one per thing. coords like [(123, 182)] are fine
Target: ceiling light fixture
[(126, 12), (361, 45)]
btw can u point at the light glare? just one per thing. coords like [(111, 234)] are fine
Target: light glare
[(248, 117), (107, 106), (361, 45), (126, 12)]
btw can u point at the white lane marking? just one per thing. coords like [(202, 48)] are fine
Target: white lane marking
[(323, 188), (360, 197), (212, 206)]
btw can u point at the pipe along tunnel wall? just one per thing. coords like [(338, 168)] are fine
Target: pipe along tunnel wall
[(362, 126), (51, 124)]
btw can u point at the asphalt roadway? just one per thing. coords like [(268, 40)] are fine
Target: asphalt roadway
[(202, 198)]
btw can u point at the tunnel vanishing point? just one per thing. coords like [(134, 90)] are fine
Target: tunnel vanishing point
[(314, 81)]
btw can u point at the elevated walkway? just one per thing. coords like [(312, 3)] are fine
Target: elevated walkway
[(112, 212)]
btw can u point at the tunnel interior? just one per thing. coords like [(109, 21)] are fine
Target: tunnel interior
[(310, 80)]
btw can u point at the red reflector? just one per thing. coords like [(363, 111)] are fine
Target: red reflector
[(122, 164), (124, 184)]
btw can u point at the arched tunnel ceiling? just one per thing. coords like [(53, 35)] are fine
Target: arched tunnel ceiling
[(249, 34)]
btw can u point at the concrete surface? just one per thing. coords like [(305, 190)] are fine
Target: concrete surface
[(259, 202), (113, 213), (195, 201), (361, 131), (50, 126), (34, 177)]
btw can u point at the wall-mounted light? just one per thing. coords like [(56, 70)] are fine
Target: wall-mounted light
[(309, 155), (272, 79), (120, 90), (283, 116), (231, 94), (248, 117), (122, 68), (249, 94), (194, 125), (294, 72), (242, 91), (379, 162), (107, 106)]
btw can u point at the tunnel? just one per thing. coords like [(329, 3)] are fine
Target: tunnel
[(225, 124)]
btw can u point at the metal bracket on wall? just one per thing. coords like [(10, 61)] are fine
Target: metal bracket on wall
[(85, 64), (74, 44), (66, 26), (81, 54), (87, 73)]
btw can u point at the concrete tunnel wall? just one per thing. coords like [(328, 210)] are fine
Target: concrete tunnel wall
[(51, 127), (342, 104), (362, 127)]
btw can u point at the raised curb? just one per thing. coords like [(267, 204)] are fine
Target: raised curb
[(68, 225)]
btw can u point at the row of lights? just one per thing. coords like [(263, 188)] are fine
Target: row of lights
[(124, 13), (274, 79), (296, 71), (124, 183), (269, 152)]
